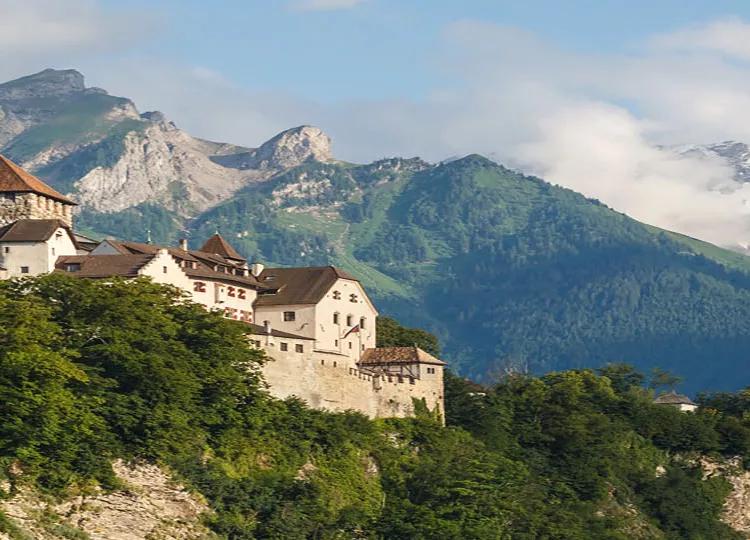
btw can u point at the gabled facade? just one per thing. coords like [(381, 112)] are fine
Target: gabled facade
[(29, 247), (324, 303)]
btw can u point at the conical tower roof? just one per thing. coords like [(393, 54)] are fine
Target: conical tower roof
[(216, 244), (13, 179)]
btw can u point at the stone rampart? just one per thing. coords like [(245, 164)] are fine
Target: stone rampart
[(329, 381)]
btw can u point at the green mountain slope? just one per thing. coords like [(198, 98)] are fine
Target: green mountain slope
[(510, 271)]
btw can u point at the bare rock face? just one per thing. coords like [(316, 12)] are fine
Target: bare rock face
[(151, 506), (163, 165), (294, 147), (166, 166), (106, 155), (737, 505), (47, 83)]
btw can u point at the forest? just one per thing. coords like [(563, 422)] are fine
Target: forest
[(93, 371)]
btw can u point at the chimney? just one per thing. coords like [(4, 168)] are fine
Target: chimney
[(256, 269), (267, 327), (183, 244)]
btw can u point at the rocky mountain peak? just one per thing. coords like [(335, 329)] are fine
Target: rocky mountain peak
[(47, 83), (735, 153), (294, 147)]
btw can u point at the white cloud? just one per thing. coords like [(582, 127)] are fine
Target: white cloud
[(323, 5), (730, 36), (35, 34)]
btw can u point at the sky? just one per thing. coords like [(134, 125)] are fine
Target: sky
[(591, 95)]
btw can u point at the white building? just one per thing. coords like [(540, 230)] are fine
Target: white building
[(29, 247), (679, 401), (324, 304)]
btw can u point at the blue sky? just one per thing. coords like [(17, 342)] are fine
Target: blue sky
[(592, 95), (386, 48)]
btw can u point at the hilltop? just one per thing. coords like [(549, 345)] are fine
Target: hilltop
[(129, 415)]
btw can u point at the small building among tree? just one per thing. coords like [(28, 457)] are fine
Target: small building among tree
[(676, 400)]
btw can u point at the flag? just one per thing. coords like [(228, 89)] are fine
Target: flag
[(354, 330)]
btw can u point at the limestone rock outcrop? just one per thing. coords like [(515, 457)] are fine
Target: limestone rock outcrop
[(151, 506), (100, 150)]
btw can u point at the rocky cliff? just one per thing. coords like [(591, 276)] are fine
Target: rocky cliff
[(100, 150), (149, 506)]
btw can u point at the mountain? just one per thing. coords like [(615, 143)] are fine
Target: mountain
[(511, 272), (735, 154), (111, 158)]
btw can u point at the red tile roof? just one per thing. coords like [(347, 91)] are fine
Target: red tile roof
[(216, 244), (103, 266), (33, 230), (299, 285), (204, 263), (13, 179), (399, 355)]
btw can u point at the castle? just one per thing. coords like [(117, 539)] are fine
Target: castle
[(317, 325)]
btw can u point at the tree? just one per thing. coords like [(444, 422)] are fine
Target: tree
[(392, 334), (661, 378), (622, 376)]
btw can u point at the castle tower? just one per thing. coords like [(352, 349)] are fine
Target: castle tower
[(24, 196)]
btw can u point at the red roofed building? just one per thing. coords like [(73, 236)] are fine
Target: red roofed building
[(24, 196)]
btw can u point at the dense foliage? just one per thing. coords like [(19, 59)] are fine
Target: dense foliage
[(93, 371), (512, 272)]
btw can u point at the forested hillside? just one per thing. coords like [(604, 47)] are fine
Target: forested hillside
[(512, 272), (90, 372)]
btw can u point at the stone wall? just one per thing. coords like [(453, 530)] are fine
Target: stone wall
[(32, 206), (329, 381)]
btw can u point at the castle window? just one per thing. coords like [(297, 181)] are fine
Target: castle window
[(199, 286), (335, 364), (431, 370), (349, 320), (290, 316), (230, 292), (337, 295), (241, 294), (411, 380), (350, 344), (284, 346), (353, 297), (335, 342), (24, 269), (362, 323), (164, 269), (299, 348), (7, 249), (335, 317)]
